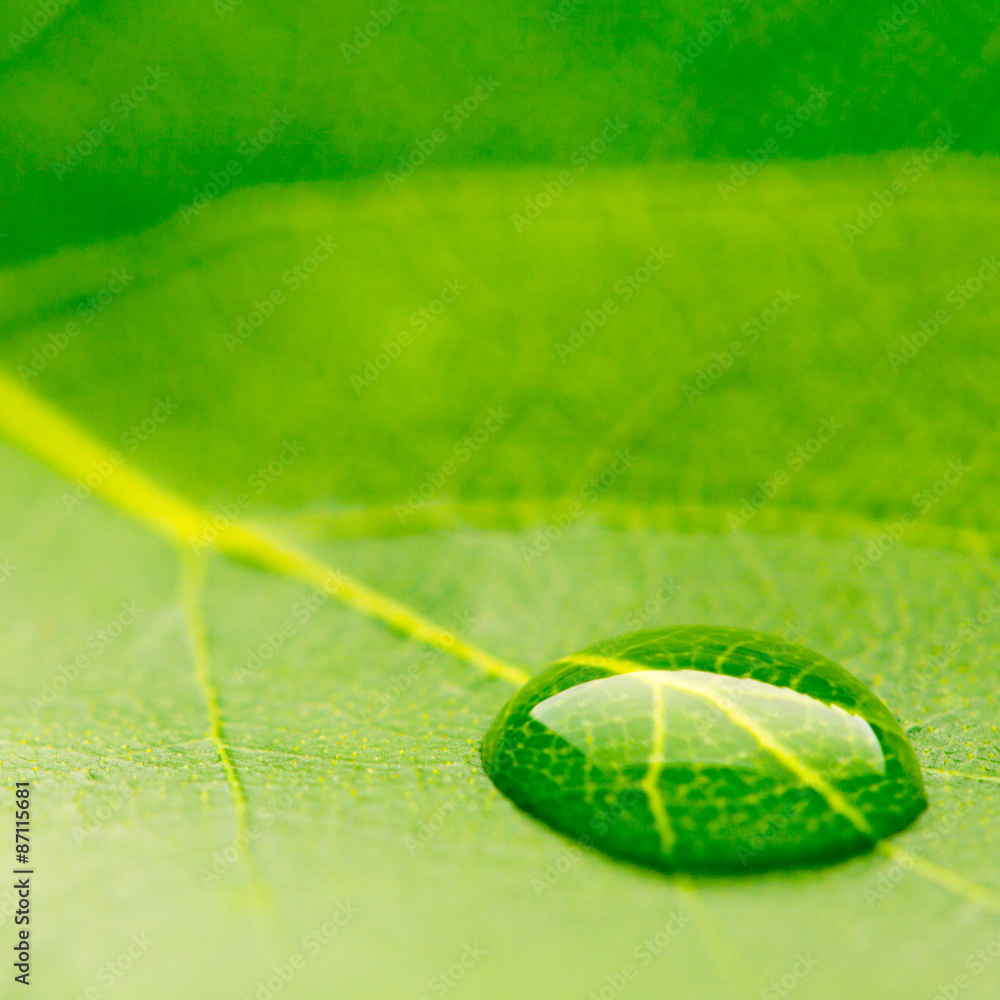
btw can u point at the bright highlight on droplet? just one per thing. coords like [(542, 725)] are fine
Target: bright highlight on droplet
[(706, 749)]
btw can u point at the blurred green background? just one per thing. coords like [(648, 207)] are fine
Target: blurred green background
[(123, 117), (894, 79)]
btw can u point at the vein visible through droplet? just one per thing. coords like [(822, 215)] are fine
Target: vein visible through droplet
[(944, 877), (650, 782), (831, 795)]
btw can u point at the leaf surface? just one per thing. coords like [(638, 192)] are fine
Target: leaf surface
[(354, 780)]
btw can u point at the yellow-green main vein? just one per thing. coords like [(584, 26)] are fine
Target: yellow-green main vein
[(37, 427)]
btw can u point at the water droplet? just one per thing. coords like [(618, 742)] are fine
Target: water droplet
[(706, 749)]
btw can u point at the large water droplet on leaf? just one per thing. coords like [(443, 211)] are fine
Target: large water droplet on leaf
[(706, 749)]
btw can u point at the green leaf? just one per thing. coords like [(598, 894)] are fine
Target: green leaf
[(245, 754)]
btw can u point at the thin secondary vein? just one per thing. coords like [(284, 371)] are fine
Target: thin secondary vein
[(192, 587), (993, 778), (37, 427), (383, 520)]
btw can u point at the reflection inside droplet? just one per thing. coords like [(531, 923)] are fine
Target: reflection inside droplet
[(696, 712)]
